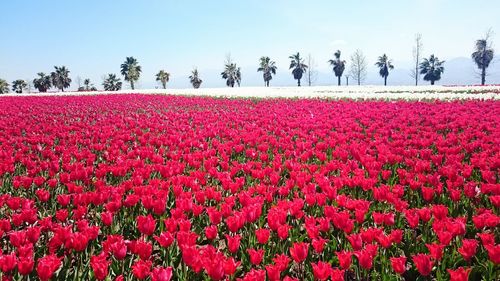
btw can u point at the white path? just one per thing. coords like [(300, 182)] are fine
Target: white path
[(343, 92)]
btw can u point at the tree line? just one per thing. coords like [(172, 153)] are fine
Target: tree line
[(431, 68)]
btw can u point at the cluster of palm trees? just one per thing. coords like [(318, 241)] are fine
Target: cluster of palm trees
[(431, 68), (59, 78)]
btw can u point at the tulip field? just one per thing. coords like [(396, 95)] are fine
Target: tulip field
[(160, 187)]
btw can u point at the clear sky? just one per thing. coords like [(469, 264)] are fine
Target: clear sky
[(93, 37)]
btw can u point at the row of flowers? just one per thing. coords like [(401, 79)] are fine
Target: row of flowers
[(427, 93), (145, 187)]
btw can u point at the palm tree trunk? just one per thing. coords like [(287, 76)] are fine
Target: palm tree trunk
[(432, 82), (385, 80), (298, 82), (164, 85), (483, 75), (338, 79), (132, 84)]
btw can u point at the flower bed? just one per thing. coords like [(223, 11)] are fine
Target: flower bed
[(157, 187)]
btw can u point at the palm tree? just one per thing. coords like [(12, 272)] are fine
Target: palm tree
[(43, 82), (232, 73), (338, 66), (4, 86), (432, 69), (384, 64), (87, 86), (195, 79), (60, 77), (112, 83), (131, 70), (268, 68), (299, 67), (163, 77), (19, 85), (483, 55), (86, 82)]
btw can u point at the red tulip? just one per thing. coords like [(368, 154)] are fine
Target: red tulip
[(345, 259), (33, 234), (256, 256), (318, 245), (282, 261), (436, 251), (8, 262), (99, 265), (46, 267), (262, 235), (283, 231), (233, 243), (321, 270), (43, 195), (211, 232), (440, 211), (337, 274), (487, 238), (273, 272), (141, 269), (356, 241), (25, 265), (107, 218), (365, 258), (230, 266), (161, 274), (459, 274), (143, 249), (423, 264), (146, 224), (165, 239), (493, 253), (299, 251), (398, 264), (468, 249)]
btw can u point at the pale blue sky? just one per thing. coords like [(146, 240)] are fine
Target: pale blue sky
[(93, 37)]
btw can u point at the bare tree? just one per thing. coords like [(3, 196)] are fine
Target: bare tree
[(312, 74), (78, 81), (417, 55), (29, 85), (358, 67)]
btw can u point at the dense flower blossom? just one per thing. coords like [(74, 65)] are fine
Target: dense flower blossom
[(186, 188)]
